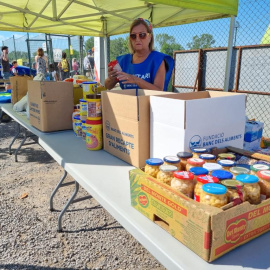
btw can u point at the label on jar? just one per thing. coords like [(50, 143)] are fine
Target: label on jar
[(226, 162), (207, 156), (265, 173), (196, 198), (260, 167)]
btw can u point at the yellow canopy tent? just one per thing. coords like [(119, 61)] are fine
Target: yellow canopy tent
[(105, 17), (266, 36)]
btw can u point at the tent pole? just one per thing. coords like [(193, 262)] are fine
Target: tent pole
[(229, 54)]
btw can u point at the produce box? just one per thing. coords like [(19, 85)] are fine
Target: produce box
[(19, 87), (50, 105), (208, 231), (193, 120), (126, 124)]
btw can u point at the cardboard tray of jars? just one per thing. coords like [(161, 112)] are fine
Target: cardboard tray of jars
[(207, 230)]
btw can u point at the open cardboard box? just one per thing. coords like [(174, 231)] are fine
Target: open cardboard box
[(208, 231), (204, 119), (126, 124)]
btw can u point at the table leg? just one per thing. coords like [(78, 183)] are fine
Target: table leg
[(21, 144), (15, 137)]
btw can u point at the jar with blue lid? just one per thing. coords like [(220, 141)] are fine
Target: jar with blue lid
[(172, 160), (222, 174), (214, 194), (226, 164), (198, 151), (251, 187), (198, 171), (152, 166), (208, 158)]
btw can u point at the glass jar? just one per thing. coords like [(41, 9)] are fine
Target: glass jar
[(222, 174), (172, 160), (228, 156), (183, 182), (212, 167), (201, 180), (208, 158), (258, 167), (214, 194), (152, 166), (235, 190), (194, 162), (251, 187), (165, 174), (184, 156), (198, 151), (226, 164), (264, 182), (238, 170), (198, 171)]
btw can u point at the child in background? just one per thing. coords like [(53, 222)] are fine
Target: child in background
[(13, 68), (52, 71)]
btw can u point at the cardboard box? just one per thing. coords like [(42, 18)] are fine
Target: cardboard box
[(19, 87), (208, 231), (203, 119), (126, 124), (50, 105), (77, 94)]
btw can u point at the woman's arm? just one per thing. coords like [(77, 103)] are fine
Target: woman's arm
[(158, 81)]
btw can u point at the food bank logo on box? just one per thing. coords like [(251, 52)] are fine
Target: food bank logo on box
[(143, 199), (235, 231), (195, 142)]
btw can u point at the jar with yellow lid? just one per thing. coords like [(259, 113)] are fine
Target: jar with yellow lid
[(214, 194), (258, 167), (184, 156), (264, 182), (251, 187), (183, 181), (235, 190), (201, 180), (194, 162), (152, 166), (198, 151), (208, 158), (165, 174), (172, 160), (238, 170), (228, 156), (226, 164)]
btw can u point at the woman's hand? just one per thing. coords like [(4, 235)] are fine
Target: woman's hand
[(112, 74), (126, 78)]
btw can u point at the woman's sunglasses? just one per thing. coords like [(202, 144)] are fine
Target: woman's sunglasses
[(141, 35)]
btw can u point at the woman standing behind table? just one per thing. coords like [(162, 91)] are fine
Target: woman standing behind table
[(143, 68), (41, 62)]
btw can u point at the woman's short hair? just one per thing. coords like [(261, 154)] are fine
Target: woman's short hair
[(149, 29), (40, 52), (64, 55)]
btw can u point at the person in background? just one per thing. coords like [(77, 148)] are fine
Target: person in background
[(89, 64), (13, 69), (143, 68), (5, 63), (41, 62), (52, 72), (64, 67), (75, 66)]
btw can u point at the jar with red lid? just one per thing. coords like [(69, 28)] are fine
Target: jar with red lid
[(264, 182), (201, 180), (194, 162), (183, 181)]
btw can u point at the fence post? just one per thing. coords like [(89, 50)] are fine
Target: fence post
[(81, 53), (229, 55), (15, 48), (29, 54)]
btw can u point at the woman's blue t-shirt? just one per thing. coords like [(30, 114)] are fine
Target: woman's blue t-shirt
[(147, 69)]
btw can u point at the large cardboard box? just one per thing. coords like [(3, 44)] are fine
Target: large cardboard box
[(208, 231), (50, 105), (19, 87), (126, 124), (191, 120)]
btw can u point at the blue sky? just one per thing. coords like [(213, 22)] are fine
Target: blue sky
[(253, 19)]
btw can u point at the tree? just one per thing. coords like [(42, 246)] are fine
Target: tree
[(118, 47), (89, 44), (167, 44), (202, 42)]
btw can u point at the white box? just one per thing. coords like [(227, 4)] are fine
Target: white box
[(203, 119)]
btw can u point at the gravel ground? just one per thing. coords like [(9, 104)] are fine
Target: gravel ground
[(92, 238)]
